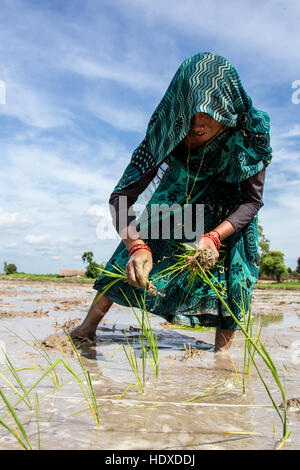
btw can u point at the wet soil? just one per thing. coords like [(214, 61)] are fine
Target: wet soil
[(167, 415)]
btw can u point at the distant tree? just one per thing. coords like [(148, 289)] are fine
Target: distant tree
[(298, 267), (263, 248), (263, 243), (87, 257), (9, 268), (273, 264), (93, 269)]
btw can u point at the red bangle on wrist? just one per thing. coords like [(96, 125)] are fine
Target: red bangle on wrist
[(216, 231), (213, 238), (140, 246)]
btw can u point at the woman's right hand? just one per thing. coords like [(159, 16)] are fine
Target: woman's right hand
[(139, 267)]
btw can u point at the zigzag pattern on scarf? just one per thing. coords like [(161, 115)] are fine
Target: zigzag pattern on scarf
[(205, 82)]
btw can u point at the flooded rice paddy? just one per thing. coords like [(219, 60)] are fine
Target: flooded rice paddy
[(166, 416)]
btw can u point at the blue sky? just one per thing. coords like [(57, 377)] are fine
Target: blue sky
[(82, 79)]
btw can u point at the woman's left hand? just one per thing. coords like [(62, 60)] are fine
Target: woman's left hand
[(206, 242)]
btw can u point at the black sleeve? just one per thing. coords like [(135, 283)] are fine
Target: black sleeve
[(120, 207), (251, 192)]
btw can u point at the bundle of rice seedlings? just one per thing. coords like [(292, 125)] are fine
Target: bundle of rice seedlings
[(194, 262), (152, 289), (205, 257)]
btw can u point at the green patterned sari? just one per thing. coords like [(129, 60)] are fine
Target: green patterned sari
[(206, 83)]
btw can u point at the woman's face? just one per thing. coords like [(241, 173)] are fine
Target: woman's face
[(203, 128)]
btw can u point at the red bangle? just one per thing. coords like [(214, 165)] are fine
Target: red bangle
[(140, 246), (216, 231), (213, 238)]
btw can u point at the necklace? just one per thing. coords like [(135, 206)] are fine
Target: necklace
[(189, 195)]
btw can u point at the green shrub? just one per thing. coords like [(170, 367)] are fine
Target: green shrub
[(10, 268), (273, 264), (93, 269)]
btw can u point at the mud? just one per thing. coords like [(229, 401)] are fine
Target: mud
[(292, 404), (166, 416), (38, 313), (205, 257), (191, 353), (59, 343), (67, 325)]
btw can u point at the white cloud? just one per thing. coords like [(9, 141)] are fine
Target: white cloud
[(294, 131), (36, 239), (97, 211), (32, 108), (122, 73), (11, 246), (290, 198), (42, 174), (286, 240), (272, 41), (117, 114), (13, 219), (53, 242)]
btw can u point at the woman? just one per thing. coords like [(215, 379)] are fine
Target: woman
[(216, 146)]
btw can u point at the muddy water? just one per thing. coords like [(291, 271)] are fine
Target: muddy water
[(164, 416)]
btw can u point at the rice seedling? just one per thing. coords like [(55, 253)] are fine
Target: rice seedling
[(133, 362), (85, 385), (147, 342), (149, 334), (188, 260), (38, 347), (147, 339), (283, 440), (204, 394), (35, 384), (51, 371), (86, 388), (249, 350), (83, 378), (37, 415), (236, 372), (117, 276), (17, 378), (17, 428), (260, 350)]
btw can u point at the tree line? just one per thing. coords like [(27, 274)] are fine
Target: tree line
[(271, 262)]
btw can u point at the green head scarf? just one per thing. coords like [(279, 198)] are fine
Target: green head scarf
[(208, 83)]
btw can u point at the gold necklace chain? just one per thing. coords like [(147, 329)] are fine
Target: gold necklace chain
[(189, 196)]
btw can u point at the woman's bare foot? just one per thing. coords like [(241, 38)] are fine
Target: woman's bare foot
[(86, 332), (223, 340)]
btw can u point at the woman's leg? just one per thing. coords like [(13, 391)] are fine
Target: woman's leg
[(223, 339), (87, 329)]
